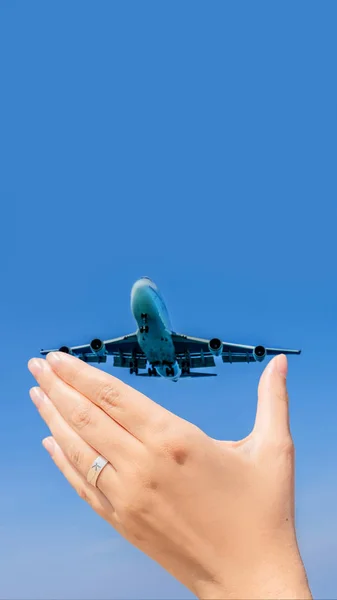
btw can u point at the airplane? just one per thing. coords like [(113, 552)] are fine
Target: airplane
[(159, 350)]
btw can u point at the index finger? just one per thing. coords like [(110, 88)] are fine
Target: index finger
[(128, 407)]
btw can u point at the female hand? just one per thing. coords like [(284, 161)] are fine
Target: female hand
[(218, 515)]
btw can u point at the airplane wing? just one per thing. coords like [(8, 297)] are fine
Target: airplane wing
[(183, 375), (198, 352), (124, 350)]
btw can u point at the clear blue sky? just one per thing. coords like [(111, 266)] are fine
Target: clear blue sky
[(193, 142)]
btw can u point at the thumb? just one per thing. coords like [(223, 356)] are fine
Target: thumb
[(272, 416)]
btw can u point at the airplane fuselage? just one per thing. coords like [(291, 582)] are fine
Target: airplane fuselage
[(154, 332)]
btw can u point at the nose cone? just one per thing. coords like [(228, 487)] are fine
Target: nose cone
[(143, 283), (141, 297)]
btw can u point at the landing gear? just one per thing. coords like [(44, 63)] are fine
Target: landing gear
[(133, 368), (152, 372), (185, 368), (144, 328)]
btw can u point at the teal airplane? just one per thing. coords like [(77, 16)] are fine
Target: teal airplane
[(160, 351)]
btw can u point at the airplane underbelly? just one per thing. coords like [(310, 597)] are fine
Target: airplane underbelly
[(157, 345)]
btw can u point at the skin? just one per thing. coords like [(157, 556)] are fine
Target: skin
[(218, 515)]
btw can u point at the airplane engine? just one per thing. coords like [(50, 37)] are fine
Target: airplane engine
[(259, 353), (98, 347), (66, 350), (215, 346)]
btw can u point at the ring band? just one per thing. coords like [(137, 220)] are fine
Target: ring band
[(96, 469)]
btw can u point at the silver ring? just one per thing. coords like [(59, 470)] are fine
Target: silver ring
[(96, 469)]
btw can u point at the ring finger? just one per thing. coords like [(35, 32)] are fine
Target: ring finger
[(79, 453)]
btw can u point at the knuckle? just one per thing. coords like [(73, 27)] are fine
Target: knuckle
[(107, 397), (283, 447), (145, 474), (131, 509), (151, 483), (136, 498), (134, 510), (81, 416), (75, 456), (147, 479), (176, 445), (83, 494), (288, 446)]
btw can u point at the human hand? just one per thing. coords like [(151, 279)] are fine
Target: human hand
[(218, 515)]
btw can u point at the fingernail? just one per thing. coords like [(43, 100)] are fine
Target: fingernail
[(36, 365), (271, 366), (37, 396), (49, 445), (55, 357), (282, 365)]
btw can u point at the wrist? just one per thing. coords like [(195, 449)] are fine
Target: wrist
[(276, 589), (282, 578)]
